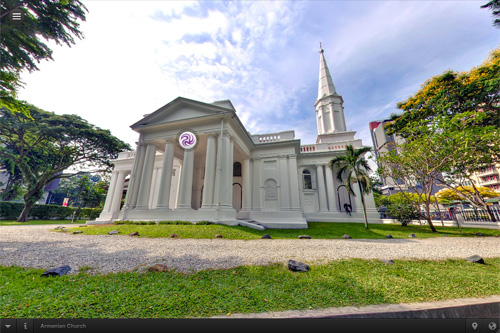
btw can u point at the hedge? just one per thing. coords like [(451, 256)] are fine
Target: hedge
[(12, 210)]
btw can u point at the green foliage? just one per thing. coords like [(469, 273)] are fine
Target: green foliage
[(402, 207), (404, 213), (10, 210), (46, 145), (452, 128), (21, 46), (88, 213), (83, 190), (494, 6)]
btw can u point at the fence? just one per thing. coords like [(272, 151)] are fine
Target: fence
[(459, 214), (475, 214)]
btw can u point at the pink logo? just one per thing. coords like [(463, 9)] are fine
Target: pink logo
[(187, 140)]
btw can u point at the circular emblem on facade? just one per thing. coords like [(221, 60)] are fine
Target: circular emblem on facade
[(187, 140)]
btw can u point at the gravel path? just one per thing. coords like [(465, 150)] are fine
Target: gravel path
[(37, 246)]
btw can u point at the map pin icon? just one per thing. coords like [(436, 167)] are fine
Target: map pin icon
[(474, 325)]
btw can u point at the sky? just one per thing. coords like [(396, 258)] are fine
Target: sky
[(263, 56)]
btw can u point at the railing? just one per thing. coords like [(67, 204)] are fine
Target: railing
[(321, 147), (466, 215), (126, 155), (274, 137), (475, 214)]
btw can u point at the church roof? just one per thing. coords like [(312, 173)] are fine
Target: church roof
[(183, 108), (325, 87)]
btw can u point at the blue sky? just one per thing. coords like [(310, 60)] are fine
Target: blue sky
[(139, 55)]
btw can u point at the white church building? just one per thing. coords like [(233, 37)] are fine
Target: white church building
[(195, 161)]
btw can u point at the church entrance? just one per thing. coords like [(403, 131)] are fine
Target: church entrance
[(344, 199), (237, 196)]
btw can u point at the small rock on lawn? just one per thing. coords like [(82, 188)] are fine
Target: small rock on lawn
[(389, 236), (297, 266), (346, 236), (388, 262), (475, 259), (304, 237), (59, 271), (135, 233), (266, 236), (113, 232), (158, 268), (77, 232), (174, 236), (218, 236), (412, 236)]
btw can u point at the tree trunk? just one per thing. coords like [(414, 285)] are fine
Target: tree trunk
[(483, 204), (428, 216), (363, 204), (25, 213)]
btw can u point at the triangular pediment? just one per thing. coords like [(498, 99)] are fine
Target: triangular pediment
[(181, 109)]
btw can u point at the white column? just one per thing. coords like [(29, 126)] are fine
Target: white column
[(247, 186), (111, 192), (186, 185), (294, 184), (118, 192), (219, 180), (225, 170), (135, 178), (321, 189), (284, 185), (330, 189), (256, 204), (146, 177), (166, 176), (209, 182)]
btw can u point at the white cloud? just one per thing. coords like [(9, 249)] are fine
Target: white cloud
[(139, 55)]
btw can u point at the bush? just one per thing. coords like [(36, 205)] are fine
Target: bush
[(12, 210), (89, 213), (176, 222), (204, 223), (402, 212)]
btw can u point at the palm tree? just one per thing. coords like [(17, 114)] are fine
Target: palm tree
[(354, 164)]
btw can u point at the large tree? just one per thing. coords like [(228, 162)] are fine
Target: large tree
[(22, 46), (463, 111), (353, 168), (453, 93), (494, 6), (47, 144), (447, 195)]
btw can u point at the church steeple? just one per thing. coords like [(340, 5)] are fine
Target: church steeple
[(325, 87), (329, 105)]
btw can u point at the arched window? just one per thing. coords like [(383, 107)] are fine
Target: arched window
[(271, 189), (307, 177), (236, 169)]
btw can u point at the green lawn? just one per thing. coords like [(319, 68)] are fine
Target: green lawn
[(354, 282), (315, 230), (38, 222)]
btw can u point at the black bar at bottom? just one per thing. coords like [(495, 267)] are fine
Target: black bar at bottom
[(230, 325)]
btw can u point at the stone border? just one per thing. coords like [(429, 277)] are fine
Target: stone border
[(485, 307)]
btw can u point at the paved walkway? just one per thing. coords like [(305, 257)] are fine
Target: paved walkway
[(38, 246)]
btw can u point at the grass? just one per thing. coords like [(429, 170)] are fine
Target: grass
[(39, 222), (353, 282), (316, 230)]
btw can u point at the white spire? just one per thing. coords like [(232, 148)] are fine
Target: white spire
[(325, 87)]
